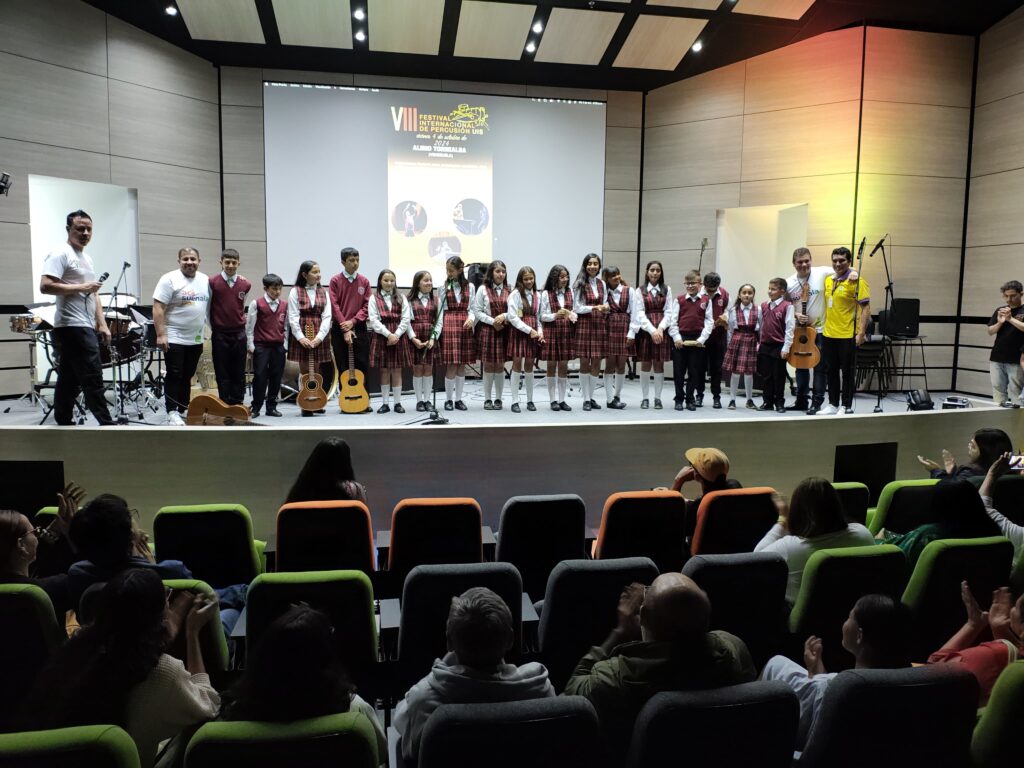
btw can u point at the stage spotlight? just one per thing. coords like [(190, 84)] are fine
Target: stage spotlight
[(531, 47), (171, 10), (538, 28), (359, 14), (360, 35), (697, 46), (5, 183)]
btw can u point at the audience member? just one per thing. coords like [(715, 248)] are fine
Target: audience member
[(983, 448), (710, 468), (876, 634), (661, 643), (474, 670), (1009, 529), (294, 673), (327, 475), (813, 520), (986, 660), (115, 669)]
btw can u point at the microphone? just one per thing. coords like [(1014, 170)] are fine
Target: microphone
[(880, 242), (103, 277), (704, 242), (860, 251), (126, 265)]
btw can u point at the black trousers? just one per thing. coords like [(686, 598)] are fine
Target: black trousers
[(714, 352), (78, 370), (688, 364), (361, 348), (772, 369), (267, 369), (181, 361), (803, 379), (228, 348), (840, 356)]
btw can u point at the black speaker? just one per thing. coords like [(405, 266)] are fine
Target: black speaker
[(902, 319), (476, 273), (920, 400)]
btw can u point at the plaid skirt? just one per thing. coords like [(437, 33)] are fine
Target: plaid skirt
[(383, 356), (741, 355), (520, 344), (493, 344), (618, 327), (321, 355), (558, 341), (591, 335), (648, 352), (422, 356), (458, 346)]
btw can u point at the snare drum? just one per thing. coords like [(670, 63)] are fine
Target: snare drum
[(128, 348), (118, 325), (21, 323)]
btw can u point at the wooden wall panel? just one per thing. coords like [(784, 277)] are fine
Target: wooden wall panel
[(625, 261), (976, 334), (711, 95), (939, 333), (242, 131), (928, 274), (914, 139), (829, 199), (915, 210), (72, 35), (809, 141), (693, 154), (622, 158), (15, 382), (998, 136), (1000, 65), (918, 67), (16, 287), (254, 262), (676, 218), (974, 383), (20, 158), (625, 109), (137, 57), (987, 269), (158, 254), (678, 263), (241, 87), (620, 219), (244, 207), (172, 200), (994, 216)]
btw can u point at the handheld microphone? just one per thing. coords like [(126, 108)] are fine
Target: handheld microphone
[(704, 242), (877, 247), (126, 265), (103, 277), (860, 251)]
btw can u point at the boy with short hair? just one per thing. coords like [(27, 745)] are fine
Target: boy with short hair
[(266, 338), (350, 299), (718, 340), (228, 290), (778, 322), (690, 329)]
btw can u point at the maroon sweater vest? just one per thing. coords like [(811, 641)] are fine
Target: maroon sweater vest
[(227, 307), (269, 324), (773, 322), (691, 314)]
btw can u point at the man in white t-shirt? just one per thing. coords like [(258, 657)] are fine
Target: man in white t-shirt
[(79, 327), (181, 303), (813, 316)]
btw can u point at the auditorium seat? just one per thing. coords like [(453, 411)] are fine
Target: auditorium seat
[(748, 597), (536, 533), (894, 718), (434, 531), (734, 520), (833, 580), (1007, 496), (211, 639), (30, 634), (903, 505), (214, 541), (933, 593), (324, 536), (345, 739), (996, 742), (87, 746), (345, 596), (539, 733), (856, 498), (644, 524), (749, 724), (580, 608)]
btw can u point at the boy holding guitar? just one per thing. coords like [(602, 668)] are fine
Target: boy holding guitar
[(810, 314)]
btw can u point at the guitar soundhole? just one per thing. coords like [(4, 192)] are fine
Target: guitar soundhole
[(310, 385), (351, 382)]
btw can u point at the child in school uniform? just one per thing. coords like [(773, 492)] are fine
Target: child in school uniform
[(309, 319), (693, 323), (653, 306), (621, 333), (424, 330), (389, 320), (491, 308), (557, 320), (777, 324), (714, 348), (591, 333), (741, 353), (265, 337), (526, 337), (458, 343)]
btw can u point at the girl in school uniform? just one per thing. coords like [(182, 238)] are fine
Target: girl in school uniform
[(491, 308), (389, 319), (309, 320), (458, 344), (621, 332), (652, 318), (589, 296), (557, 320), (526, 337), (427, 317), (741, 352)]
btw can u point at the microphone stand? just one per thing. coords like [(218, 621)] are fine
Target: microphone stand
[(115, 357), (434, 418), (888, 303), (856, 320)]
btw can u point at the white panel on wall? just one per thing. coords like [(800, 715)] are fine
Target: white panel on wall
[(829, 199), (69, 34)]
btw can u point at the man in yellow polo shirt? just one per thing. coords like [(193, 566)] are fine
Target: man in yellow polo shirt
[(847, 313)]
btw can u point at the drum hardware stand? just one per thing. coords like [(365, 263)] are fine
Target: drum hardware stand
[(120, 417)]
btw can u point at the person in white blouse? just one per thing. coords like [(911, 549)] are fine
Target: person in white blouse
[(653, 307), (590, 296), (1011, 530), (458, 344), (557, 318), (526, 336), (389, 320), (309, 320), (491, 310), (741, 350), (622, 329), (425, 323)]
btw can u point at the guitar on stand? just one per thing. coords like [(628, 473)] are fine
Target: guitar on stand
[(354, 397), (311, 396), (804, 352)]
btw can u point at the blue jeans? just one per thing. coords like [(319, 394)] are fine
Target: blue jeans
[(803, 379), (1007, 381)]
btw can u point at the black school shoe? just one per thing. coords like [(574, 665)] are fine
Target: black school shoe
[(691, 405), (449, 405), (587, 405), (530, 406), (515, 408), (617, 404), (420, 405), (564, 406), (399, 408), (680, 406), (657, 404), (488, 405), (460, 406), (645, 404), (699, 402), (498, 405), (273, 411), (384, 409), (555, 406), (594, 405), (717, 403)]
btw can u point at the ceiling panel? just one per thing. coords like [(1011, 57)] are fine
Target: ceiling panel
[(405, 26), (229, 21), (780, 9), (658, 42), (315, 23), (493, 30), (577, 37), (703, 5)]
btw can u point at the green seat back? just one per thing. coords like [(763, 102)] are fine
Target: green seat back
[(88, 746), (996, 741), (215, 541), (855, 497), (29, 634), (212, 641), (902, 506)]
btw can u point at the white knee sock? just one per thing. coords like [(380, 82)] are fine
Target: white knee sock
[(488, 384), (449, 389), (416, 388), (659, 384), (385, 389), (529, 386), (585, 386), (645, 383), (551, 388), (396, 393), (620, 379), (426, 384), (734, 384), (750, 386), (499, 384), (460, 385), (563, 385), (515, 386)]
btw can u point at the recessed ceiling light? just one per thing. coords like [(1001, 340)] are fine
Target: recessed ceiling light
[(359, 14), (697, 46), (531, 47), (170, 10), (360, 35), (538, 28)]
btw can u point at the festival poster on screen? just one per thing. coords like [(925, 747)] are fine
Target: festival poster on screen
[(440, 191)]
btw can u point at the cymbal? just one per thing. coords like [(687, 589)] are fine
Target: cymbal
[(123, 300)]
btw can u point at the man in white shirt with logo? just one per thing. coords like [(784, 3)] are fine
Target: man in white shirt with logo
[(181, 304), (79, 327), (813, 316)]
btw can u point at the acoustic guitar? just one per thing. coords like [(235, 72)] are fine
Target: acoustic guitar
[(210, 410), (354, 398), (312, 396), (804, 353)]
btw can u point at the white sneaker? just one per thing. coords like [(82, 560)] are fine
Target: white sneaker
[(828, 410), (174, 419), (845, 411)]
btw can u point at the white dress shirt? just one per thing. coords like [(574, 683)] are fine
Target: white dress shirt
[(640, 309), (250, 321), (481, 303), (376, 324), (294, 317), (457, 290), (709, 320), (614, 297), (547, 312), (515, 307), (790, 324), (734, 321), (424, 301), (582, 308)]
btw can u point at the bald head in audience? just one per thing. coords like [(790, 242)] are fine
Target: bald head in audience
[(675, 610)]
